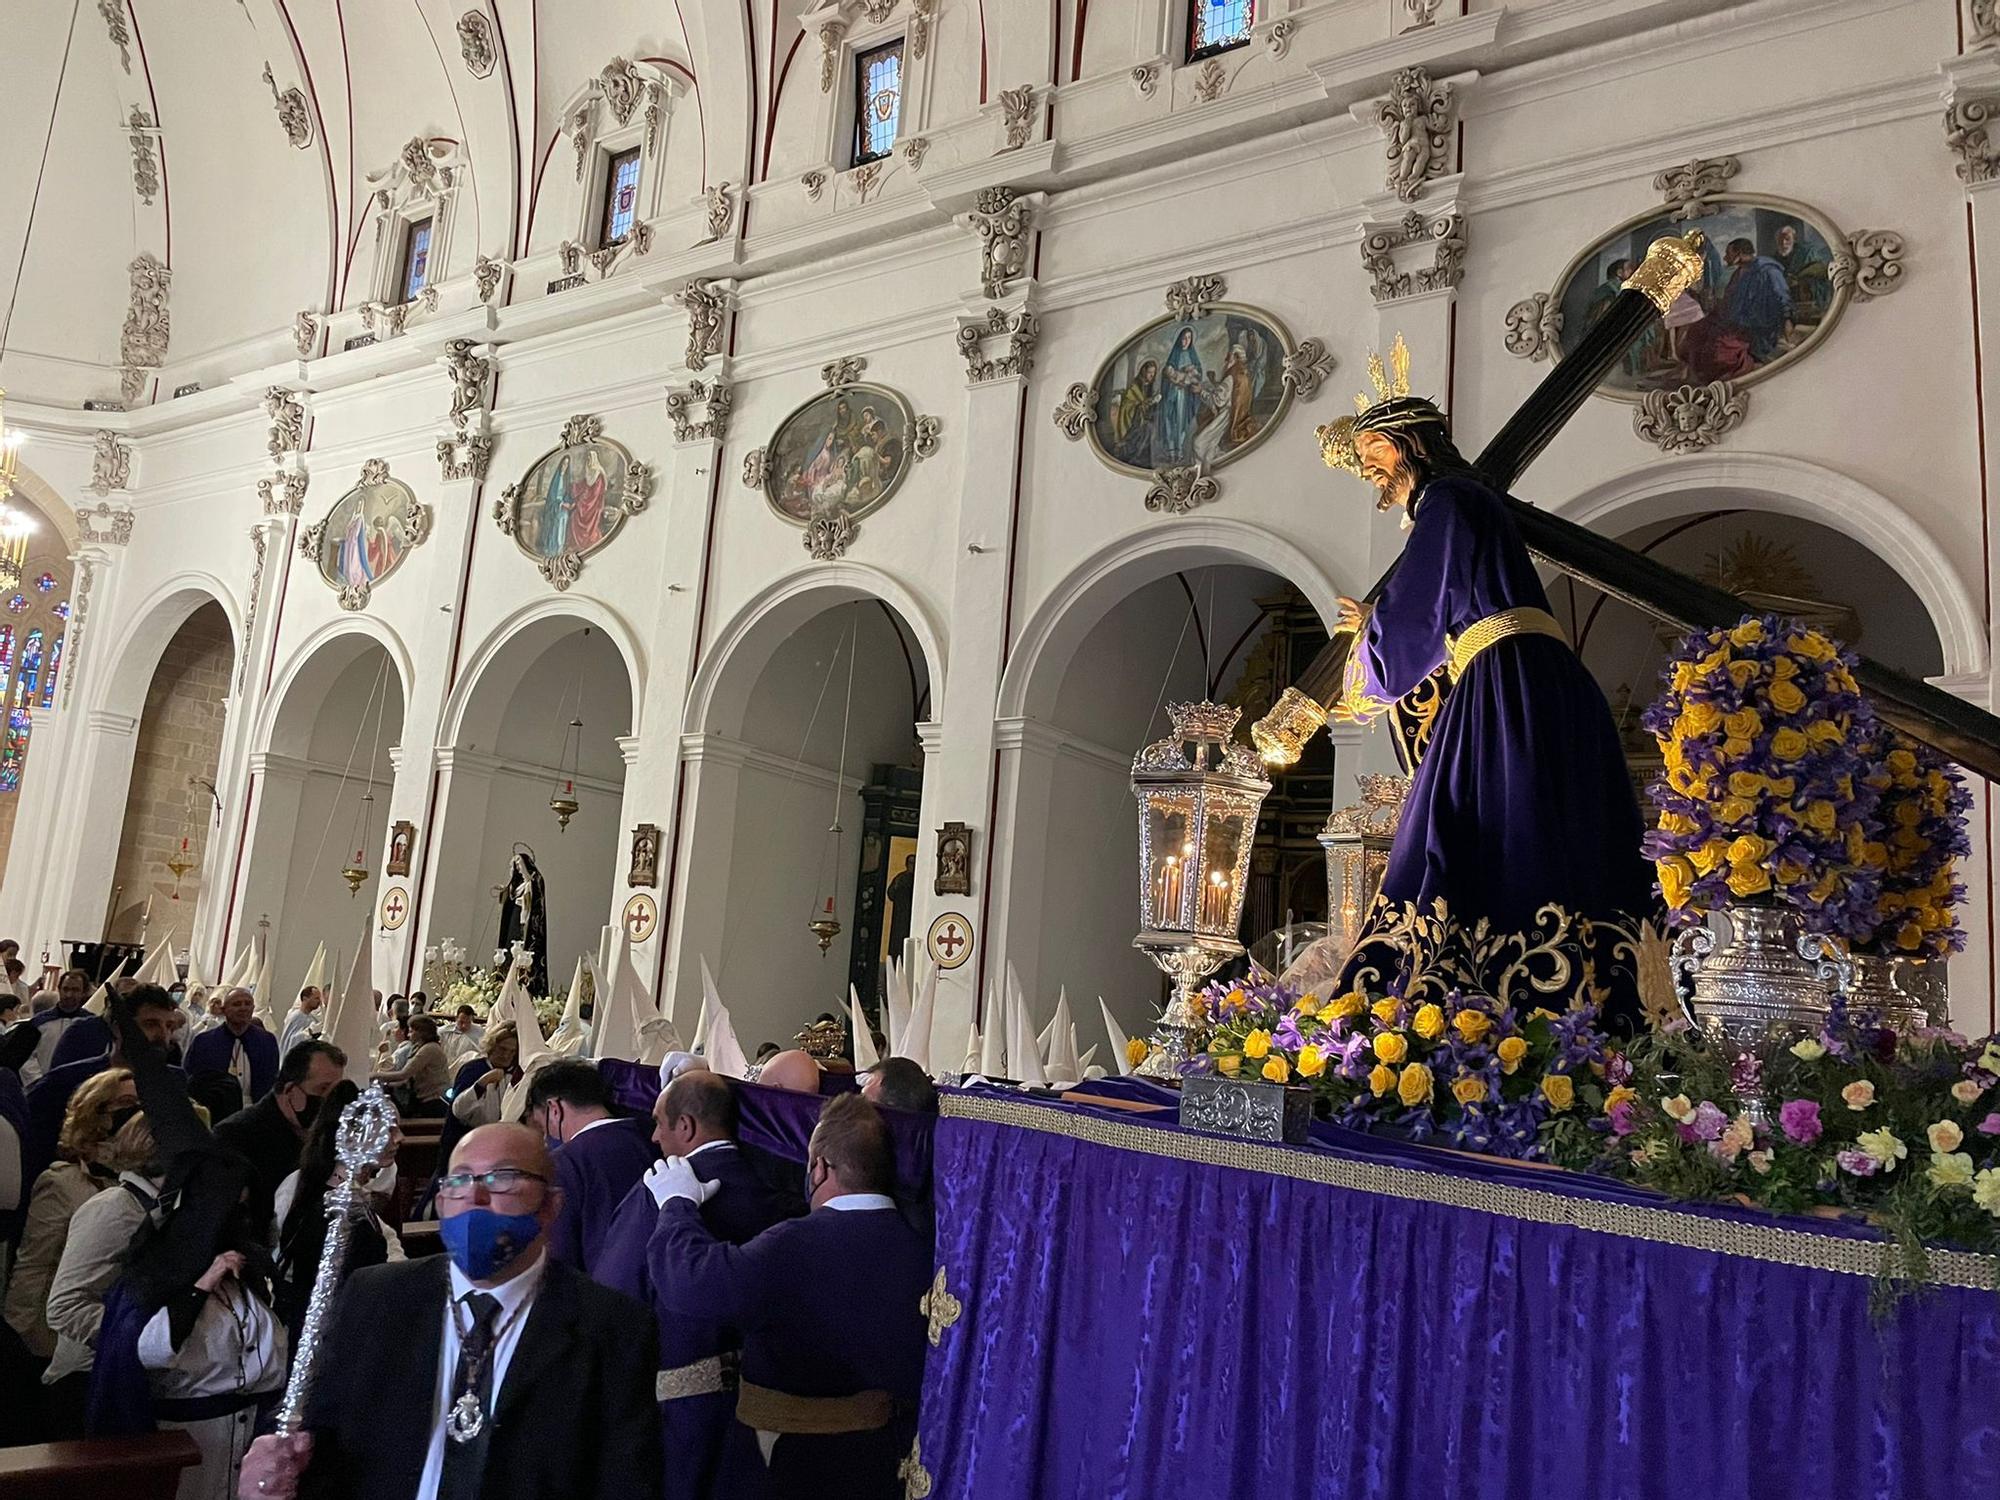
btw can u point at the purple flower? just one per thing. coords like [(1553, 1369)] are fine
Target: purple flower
[(1800, 1119), (1745, 1073), (1618, 1070), (1858, 1163), (1990, 1125), (1624, 1117), (1708, 1122)]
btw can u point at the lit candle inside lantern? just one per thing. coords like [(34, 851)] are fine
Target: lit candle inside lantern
[(1215, 900)]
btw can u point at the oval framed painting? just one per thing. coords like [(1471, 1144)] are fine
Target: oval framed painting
[(1200, 386), (367, 534), (1779, 275), (573, 500), (844, 453)]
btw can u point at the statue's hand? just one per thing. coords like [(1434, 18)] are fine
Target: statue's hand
[(1353, 615)]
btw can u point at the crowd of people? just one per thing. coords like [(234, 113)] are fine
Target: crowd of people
[(616, 1304)]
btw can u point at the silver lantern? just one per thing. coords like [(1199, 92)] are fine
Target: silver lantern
[(1357, 840), (1199, 792)]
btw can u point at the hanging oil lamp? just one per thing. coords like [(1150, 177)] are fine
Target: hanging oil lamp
[(562, 801), (824, 924), (356, 869)]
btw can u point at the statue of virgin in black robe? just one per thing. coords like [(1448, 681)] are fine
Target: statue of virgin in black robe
[(524, 917)]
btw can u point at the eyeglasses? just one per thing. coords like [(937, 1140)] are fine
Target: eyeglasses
[(498, 1183)]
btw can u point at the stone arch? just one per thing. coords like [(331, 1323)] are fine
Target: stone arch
[(320, 658), (136, 656), (537, 623)]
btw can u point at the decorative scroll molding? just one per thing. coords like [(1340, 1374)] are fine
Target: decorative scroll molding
[(1691, 188), (1534, 327), (283, 494), (1146, 79), (830, 33), (464, 457), (475, 43), (79, 613), (257, 546), (922, 14), (706, 306), (1192, 296), (924, 437), (1016, 358), (721, 208), (1211, 81), (471, 379), (569, 255), (1446, 232), (1176, 491), (814, 182), (1422, 13), (288, 421), (423, 170), (864, 177), (113, 12), (1416, 120), (1278, 37), (1076, 411), (1965, 126), (1306, 367), (913, 152), (385, 319), (756, 465), (1017, 115), (110, 464), (829, 533), (1984, 17), (1004, 220), (624, 89), (145, 160), (104, 524), (375, 471), (714, 398), (305, 333), (1690, 418), (843, 371), (1873, 264), (294, 114), (486, 273), (142, 344)]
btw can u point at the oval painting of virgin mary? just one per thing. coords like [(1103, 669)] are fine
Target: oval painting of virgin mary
[(1201, 390), (367, 534)]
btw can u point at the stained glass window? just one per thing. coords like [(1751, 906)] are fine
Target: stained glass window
[(31, 669), (1216, 24), (14, 750), (6, 659), (55, 666), (621, 196), (416, 258), (878, 100), (46, 582), (17, 605)]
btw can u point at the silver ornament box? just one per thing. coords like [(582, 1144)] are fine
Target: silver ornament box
[(1253, 1109)]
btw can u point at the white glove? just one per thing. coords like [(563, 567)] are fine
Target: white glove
[(672, 1177)]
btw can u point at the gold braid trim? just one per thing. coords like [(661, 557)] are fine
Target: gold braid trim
[(1772, 1243), (1355, 705), (1491, 631)]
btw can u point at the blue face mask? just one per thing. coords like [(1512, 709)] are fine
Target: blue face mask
[(480, 1241)]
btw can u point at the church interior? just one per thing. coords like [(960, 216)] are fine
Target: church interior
[(1330, 648)]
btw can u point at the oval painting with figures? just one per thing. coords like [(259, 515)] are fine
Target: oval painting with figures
[(368, 533), (570, 500), (1202, 389), (845, 450), (1768, 295)]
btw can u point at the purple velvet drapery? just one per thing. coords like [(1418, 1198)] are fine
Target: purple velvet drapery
[(1134, 1324)]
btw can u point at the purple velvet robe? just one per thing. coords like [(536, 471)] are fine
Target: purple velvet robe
[(1522, 797), (697, 1431), (775, 1291), (210, 1053), (595, 1170)]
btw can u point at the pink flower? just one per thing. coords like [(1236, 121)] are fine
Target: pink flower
[(1708, 1121), (1800, 1120), (1990, 1125), (1858, 1163), (1859, 1094), (1624, 1117)]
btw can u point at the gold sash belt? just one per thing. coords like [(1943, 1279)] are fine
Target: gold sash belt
[(705, 1377), (775, 1411), (1461, 649)]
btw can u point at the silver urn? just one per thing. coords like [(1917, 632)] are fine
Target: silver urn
[(1907, 993), (1764, 981)]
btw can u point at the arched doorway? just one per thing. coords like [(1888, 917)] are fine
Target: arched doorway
[(549, 709), (320, 805), (810, 720)]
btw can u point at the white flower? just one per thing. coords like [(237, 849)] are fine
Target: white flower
[(1950, 1169), (1944, 1136), (1809, 1050), (1680, 1107), (1986, 1191), (1760, 1162), (1966, 1090)]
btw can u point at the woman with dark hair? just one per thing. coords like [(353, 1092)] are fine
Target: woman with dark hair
[(423, 1079), (301, 1211)]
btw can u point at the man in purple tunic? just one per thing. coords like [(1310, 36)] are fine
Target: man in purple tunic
[(695, 1119), (833, 1403), (599, 1155), (1520, 812)]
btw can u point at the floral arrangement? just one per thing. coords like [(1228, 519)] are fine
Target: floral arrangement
[(1766, 793), (1466, 1070), (478, 989), (1903, 1128), (1920, 821)]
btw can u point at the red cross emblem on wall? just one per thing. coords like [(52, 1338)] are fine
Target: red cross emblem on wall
[(950, 940), (640, 917), (395, 907)]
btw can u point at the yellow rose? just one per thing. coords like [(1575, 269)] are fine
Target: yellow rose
[(1786, 697), (1683, 677), (1736, 810), (1744, 724), (1749, 633), (1257, 1043), (1381, 1079), (1236, 1000), (1472, 1024), (1783, 667), (1510, 1052), (1743, 673), (1673, 822), (1229, 1066), (1618, 1096), (1429, 1022), (1277, 1070), (1822, 816), (1781, 786), (1788, 744), (1384, 1011), (1701, 718), (1312, 1061), (1736, 749), (1824, 732), (1470, 1089), (1676, 885), (1910, 936), (1902, 762), (1414, 1086), (1749, 849), (1791, 872), (1135, 1051), (1390, 1046), (1745, 784), (1811, 645), (1344, 1008), (1558, 1090), (1749, 880), (1709, 855)]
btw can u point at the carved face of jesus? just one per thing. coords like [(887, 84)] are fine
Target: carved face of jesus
[(1383, 465)]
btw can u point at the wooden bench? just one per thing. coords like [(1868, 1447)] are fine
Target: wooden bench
[(130, 1468)]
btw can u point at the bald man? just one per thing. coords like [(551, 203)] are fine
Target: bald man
[(490, 1371), (796, 1070), (239, 1047)]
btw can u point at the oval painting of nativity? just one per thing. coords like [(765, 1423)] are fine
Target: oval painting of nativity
[(846, 450), (1769, 294), (368, 533), (1204, 389)]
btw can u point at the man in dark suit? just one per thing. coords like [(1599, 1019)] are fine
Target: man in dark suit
[(238, 1047), (833, 1416), (695, 1118), (494, 1372), (600, 1155), (271, 1132)]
